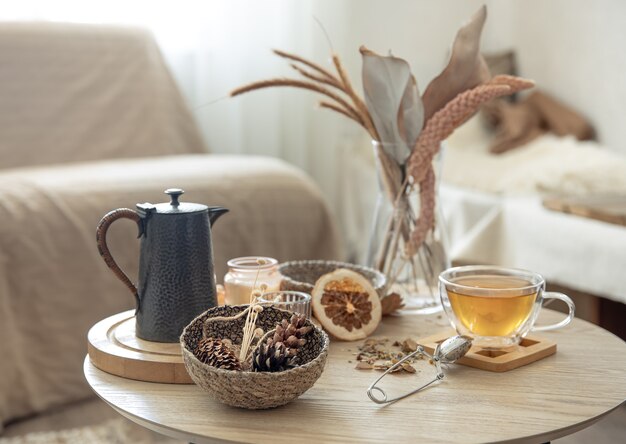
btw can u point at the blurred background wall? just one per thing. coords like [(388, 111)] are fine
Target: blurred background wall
[(572, 48)]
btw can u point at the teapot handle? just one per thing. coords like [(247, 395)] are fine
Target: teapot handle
[(103, 249)]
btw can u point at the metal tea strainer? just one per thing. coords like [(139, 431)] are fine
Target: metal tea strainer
[(447, 352)]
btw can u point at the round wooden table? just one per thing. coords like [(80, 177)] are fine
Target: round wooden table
[(548, 399)]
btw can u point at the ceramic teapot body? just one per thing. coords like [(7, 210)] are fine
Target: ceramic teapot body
[(176, 279)]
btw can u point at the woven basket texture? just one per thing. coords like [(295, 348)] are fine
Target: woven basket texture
[(302, 275), (246, 389)]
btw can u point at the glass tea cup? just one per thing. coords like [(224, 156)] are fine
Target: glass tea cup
[(295, 301), (496, 306)]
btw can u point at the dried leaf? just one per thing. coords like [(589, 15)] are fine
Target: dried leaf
[(466, 68), (391, 303), (411, 114), (408, 367), (362, 365), (397, 369), (409, 345), (393, 101)]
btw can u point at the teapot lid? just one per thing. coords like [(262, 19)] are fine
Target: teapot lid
[(173, 206)]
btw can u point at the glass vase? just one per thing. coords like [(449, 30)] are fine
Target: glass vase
[(413, 276)]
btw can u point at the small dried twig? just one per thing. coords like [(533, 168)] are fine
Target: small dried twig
[(306, 62), (426, 220), (297, 84), (322, 79), (249, 331), (340, 110), (358, 102), (319, 81), (249, 328)]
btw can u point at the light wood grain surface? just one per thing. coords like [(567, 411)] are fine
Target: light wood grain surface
[(531, 348), (113, 347), (550, 398)]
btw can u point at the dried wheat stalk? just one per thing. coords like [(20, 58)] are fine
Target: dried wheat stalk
[(339, 109), (356, 110), (314, 66), (299, 84), (356, 99), (316, 78)]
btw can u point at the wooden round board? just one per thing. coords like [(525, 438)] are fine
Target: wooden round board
[(114, 348)]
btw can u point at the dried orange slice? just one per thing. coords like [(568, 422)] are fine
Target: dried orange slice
[(346, 305)]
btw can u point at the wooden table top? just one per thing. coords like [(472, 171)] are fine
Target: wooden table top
[(554, 397)]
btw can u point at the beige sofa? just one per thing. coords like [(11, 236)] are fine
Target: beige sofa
[(90, 120)]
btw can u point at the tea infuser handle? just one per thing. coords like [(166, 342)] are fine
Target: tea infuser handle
[(379, 396), (103, 249), (564, 322)]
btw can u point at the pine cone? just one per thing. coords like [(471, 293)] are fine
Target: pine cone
[(291, 333), (213, 352), (271, 358)]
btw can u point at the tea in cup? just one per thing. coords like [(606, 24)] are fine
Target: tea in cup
[(496, 306)]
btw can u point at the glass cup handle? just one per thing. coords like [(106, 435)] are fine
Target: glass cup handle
[(564, 322)]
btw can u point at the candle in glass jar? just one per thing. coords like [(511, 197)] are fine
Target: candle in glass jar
[(245, 274)]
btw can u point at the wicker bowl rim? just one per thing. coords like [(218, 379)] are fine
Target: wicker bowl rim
[(378, 279)]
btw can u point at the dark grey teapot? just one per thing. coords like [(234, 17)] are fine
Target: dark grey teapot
[(176, 278)]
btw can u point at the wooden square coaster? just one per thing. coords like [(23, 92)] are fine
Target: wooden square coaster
[(531, 349)]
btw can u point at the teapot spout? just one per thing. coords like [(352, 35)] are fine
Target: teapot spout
[(215, 213)]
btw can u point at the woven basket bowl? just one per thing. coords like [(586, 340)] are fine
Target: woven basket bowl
[(245, 389), (302, 275)]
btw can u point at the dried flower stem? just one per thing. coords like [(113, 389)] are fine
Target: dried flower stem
[(438, 128), (298, 84), (253, 314), (340, 110), (457, 111), (515, 83), (358, 102), (248, 331), (309, 75), (356, 111), (426, 220), (306, 62)]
